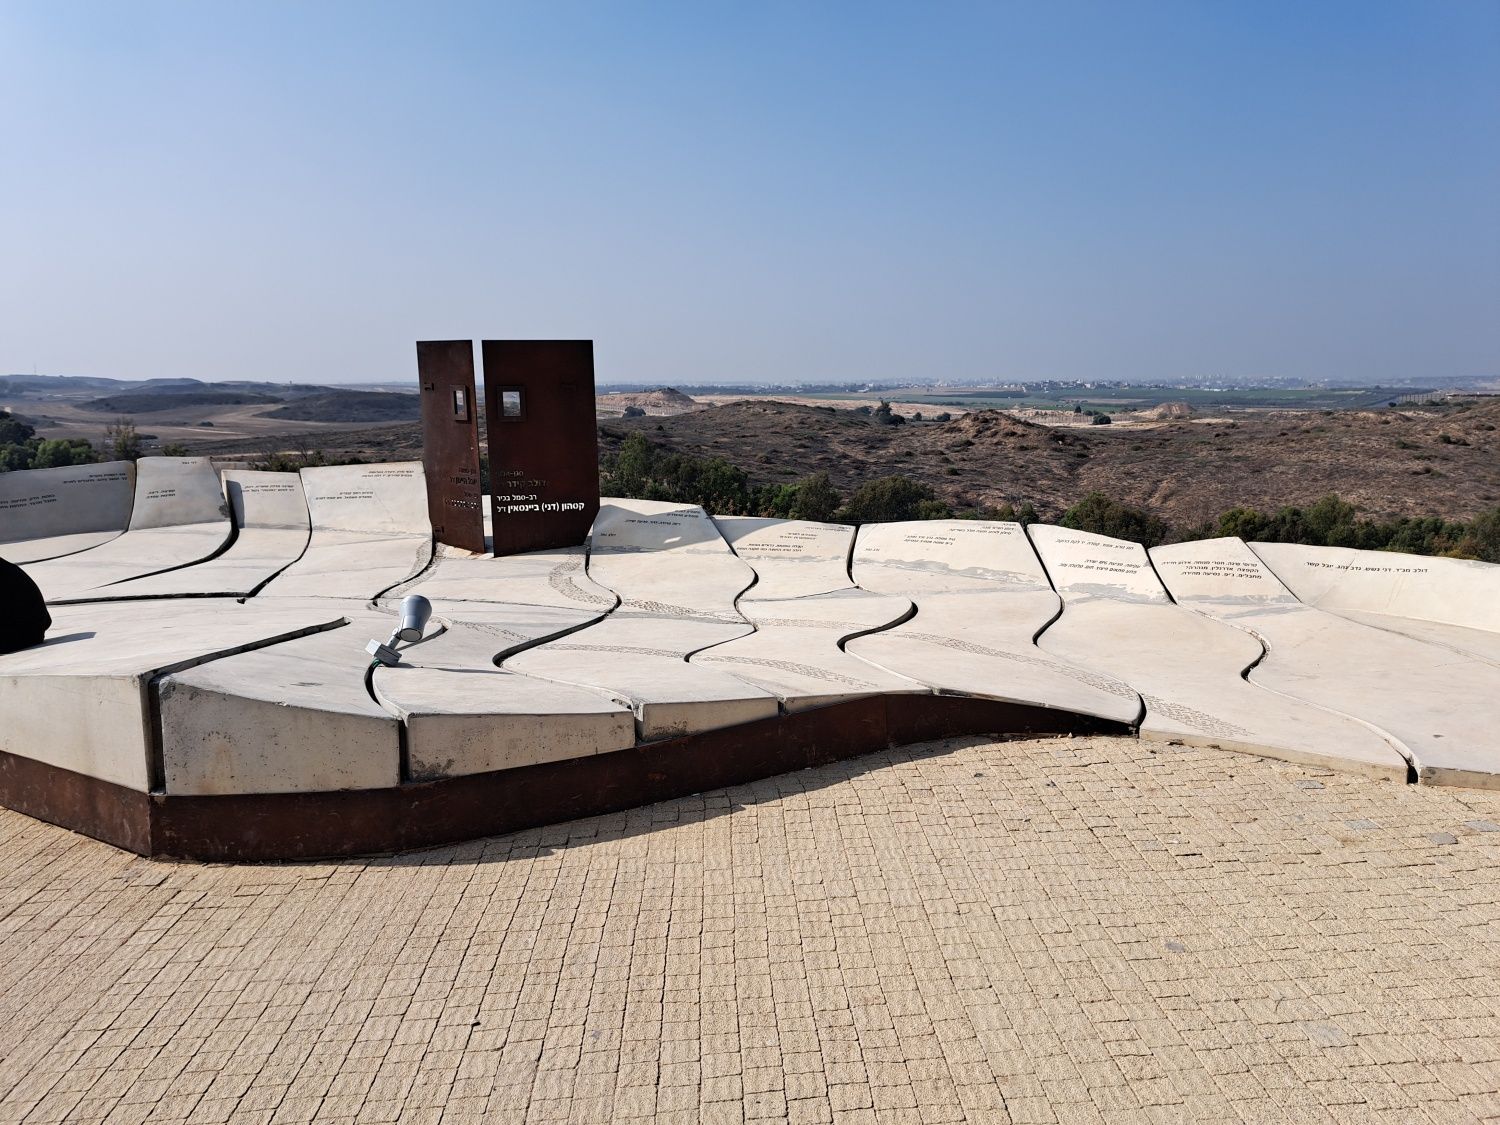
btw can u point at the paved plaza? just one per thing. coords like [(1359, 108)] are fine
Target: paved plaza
[(1055, 930)]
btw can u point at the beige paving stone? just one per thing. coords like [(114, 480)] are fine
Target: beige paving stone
[(1060, 930)]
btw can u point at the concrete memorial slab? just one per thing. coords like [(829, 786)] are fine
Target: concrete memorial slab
[(370, 532), (464, 715), (295, 717), (270, 513), (538, 578), (179, 517), (1451, 602), (1439, 705), (48, 513), (80, 700), (982, 597), (1189, 669), (677, 580), (803, 606)]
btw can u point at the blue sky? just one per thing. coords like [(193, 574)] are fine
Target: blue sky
[(733, 191)]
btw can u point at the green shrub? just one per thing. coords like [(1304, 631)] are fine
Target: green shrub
[(1102, 515), (893, 498)]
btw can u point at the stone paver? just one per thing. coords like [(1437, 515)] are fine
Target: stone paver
[(1061, 930)]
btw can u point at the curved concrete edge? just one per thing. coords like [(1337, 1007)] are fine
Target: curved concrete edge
[(1470, 779), (295, 826), (1395, 770), (24, 551)]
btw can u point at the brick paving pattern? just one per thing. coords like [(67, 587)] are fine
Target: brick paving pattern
[(1057, 930)]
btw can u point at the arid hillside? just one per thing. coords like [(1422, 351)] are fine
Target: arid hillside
[(1389, 463)]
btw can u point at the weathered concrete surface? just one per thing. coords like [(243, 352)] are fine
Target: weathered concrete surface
[(370, 532), (270, 512), (48, 513), (1189, 669), (296, 717), (677, 580), (80, 701), (542, 578), (179, 517), (982, 597), (176, 491), (465, 715), (803, 606), (1452, 602), (1441, 706)]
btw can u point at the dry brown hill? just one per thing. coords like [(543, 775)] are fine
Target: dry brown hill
[(1389, 463), (659, 403)]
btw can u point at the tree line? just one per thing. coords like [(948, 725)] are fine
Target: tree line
[(643, 471)]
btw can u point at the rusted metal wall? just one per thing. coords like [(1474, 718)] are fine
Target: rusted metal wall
[(543, 442), (450, 442)]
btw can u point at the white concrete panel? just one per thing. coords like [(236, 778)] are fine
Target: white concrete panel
[(79, 701), (982, 597), (179, 517), (791, 558), (544, 578), (369, 533), (1441, 706), (1475, 642), (389, 498), (177, 491), (89, 574), (47, 513), (295, 717), (351, 564), (273, 532), (794, 652), (24, 551), (945, 557), (1455, 602), (1189, 669), (464, 715), (1082, 565), (803, 606), (677, 580)]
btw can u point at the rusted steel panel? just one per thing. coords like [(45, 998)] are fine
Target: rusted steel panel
[(450, 442), (543, 442), (100, 809)]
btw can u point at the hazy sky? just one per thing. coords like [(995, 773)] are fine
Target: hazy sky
[(753, 191)]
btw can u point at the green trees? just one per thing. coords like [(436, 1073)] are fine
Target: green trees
[(1332, 522), (893, 498), (641, 470), (20, 448), (1103, 515)]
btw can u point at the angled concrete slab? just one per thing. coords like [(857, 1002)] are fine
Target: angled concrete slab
[(464, 715), (370, 532), (1189, 669), (804, 606), (48, 513), (179, 516), (1452, 602), (542, 578), (677, 580), (1439, 705), (270, 513), (80, 701), (982, 597), (295, 717)]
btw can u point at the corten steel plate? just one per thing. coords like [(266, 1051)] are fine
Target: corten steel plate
[(450, 442), (543, 442), (287, 826)]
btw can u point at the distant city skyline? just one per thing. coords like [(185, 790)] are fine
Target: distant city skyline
[(758, 193)]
